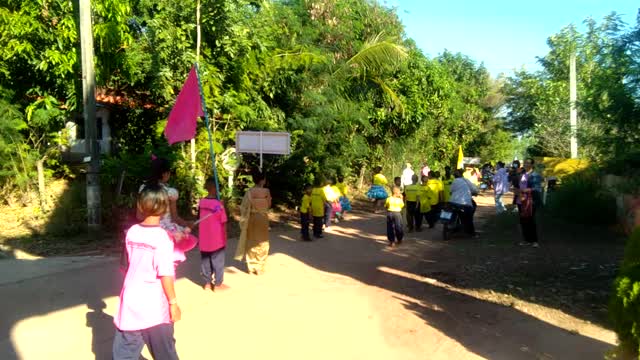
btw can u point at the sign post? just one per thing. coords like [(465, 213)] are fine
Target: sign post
[(263, 142)]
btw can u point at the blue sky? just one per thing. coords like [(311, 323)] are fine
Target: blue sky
[(504, 34)]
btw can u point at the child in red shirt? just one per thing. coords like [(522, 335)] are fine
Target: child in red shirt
[(213, 238), (148, 306)]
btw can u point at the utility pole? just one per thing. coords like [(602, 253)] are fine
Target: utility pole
[(89, 115), (573, 115)]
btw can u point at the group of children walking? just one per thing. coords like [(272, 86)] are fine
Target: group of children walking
[(156, 246), (418, 200), (323, 203)]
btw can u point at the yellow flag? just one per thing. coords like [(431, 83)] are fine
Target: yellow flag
[(460, 163)]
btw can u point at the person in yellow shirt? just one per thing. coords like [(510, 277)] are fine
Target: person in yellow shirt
[(473, 175), (437, 191), (331, 198), (318, 201), (394, 205), (411, 192), (447, 180), (339, 215), (305, 212), (377, 192), (344, 199), (425, 198), (440, 184)]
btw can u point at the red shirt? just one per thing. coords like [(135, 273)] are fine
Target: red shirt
[(213, 235)]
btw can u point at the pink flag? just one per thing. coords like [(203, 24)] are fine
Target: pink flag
[(181, 125)]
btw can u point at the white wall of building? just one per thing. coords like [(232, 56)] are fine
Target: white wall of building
[(77, 145)]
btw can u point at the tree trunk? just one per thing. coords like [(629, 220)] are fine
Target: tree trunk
[(361, 177), (41, 185)]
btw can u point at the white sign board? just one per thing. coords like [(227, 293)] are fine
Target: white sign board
[(263, 142), (471, 160)]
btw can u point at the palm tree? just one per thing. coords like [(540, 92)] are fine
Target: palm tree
[(378, 57)]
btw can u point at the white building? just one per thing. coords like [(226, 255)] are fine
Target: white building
[(76, 133)]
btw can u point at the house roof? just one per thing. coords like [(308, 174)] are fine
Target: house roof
[(110, 97)]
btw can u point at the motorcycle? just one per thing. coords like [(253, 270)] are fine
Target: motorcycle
[(451, 220)]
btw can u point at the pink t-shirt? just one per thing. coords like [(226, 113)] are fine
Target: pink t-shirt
[(143, 303), (212, 233)]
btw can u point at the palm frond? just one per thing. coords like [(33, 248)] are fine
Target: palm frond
[(376, 56)]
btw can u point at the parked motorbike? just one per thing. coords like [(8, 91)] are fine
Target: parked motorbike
[(451, 220)]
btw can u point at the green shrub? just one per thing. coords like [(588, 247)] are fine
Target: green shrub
[(624, 307), (582, 199)]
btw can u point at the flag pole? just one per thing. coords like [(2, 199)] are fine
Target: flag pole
[(206, 122)]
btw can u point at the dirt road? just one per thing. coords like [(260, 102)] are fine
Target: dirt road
[(343, 297)]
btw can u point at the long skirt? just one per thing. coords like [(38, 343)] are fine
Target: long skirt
[(257, 248)]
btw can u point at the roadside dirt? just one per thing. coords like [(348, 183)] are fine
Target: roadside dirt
[(348, 296)]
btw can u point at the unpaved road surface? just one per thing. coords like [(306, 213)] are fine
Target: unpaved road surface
[(346, 296)]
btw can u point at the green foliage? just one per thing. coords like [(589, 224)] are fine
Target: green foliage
[(607, 59), (582, 199), (340, 76), (624, 307)]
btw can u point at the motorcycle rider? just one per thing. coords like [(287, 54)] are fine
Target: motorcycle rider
[(462, 190)]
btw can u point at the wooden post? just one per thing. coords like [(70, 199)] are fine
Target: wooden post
[(573, 97), (41, 185)]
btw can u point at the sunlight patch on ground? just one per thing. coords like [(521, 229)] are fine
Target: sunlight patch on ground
[(287, 238)]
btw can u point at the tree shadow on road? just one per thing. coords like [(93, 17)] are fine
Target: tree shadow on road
[(487, 329), (355, 249)]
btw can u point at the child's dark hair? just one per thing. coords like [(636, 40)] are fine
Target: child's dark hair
[(340, 178), (377, 169), (258, 176), (319, 181), (153, 201), (159, 166), (211, 181), (210, 185), (307, 187)]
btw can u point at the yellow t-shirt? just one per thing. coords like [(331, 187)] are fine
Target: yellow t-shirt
[(447, 189), (306, 203), (394, 204), (474, 179), (426, 196), (336, 191), (329, 193), (411, 192), (317, 202), (436, 187), (343, 188), (379, 179)]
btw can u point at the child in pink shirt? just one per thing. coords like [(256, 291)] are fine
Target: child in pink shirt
[(148, 306), (213, 238)]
